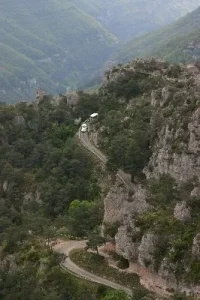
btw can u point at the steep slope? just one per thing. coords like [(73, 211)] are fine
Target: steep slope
[(149, 127), (177, 42), (59, 45), (50, 43), (129, 18)]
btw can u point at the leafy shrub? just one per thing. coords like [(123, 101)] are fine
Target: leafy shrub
[(123, 263), (110, 229)]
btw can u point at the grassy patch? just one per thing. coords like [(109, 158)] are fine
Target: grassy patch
[(98, 265), (90, 288)]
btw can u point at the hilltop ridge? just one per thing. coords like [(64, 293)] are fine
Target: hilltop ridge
[(62, 45), (177, 42)]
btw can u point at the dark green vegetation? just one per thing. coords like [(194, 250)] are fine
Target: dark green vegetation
[(42, 170), (36, 276), (84, 217), (178, 42), (99, 266), (163, 195), (60, 45), (125, 135)]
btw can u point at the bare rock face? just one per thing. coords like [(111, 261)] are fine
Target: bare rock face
[(195, 192), (125, 245), (166, 96), (32, 197), (139, 201), (121, 207), (72, 99), (77, 121), (175, 152), (40, 94), (182, 212), (147, 250), (167, 271), (5, 186), (194, 129), (196, 247), (19, 121), (114, 203)]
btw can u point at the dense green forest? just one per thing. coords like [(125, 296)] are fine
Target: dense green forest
[(43, 169), (48, 189)]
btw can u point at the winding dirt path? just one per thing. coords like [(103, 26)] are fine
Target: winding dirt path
[(65, 248)]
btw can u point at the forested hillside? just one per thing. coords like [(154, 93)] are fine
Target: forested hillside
[(51, 44), (128, 18), (43, 169), (149, 126), (177, 42), (60, 45), (51, 187)]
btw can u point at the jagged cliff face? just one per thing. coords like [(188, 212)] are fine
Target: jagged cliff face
[(159, 225)]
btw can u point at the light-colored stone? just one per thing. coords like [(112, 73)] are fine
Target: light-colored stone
[(5, 186), (19, 120), (32, 196), (167, 271), (125, 245), (175, 150), (147, 250), (182, 212), (196, 247), (114, 203), (166, 96), (77, 121), (72, 98)]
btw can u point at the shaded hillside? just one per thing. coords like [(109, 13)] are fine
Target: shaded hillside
[(130, 18), (61, 45), (47, 43), (177, 42)]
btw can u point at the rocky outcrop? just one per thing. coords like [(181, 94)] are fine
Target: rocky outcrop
[(182, 212), (115, 203), (175, 152), (18, 121), (32, 197), (72, 99), (147, 250), (196, 247), (125, 245)]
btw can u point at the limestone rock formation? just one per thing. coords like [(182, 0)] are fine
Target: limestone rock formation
[(182, 212), (175, 153), (72, 99), (147, 250), (196, 247)]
